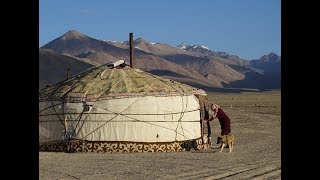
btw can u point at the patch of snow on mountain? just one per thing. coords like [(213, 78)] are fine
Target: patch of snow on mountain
[(197, 46), (205, 47), (183, 47), (112, 41)]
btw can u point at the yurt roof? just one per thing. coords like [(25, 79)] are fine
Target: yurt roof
[(105, 82)]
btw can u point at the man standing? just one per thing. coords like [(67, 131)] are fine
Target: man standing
[(215, 111)]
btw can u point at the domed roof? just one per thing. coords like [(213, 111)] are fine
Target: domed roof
[(104, 82)]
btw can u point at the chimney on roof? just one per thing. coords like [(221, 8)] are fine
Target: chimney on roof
[(131, 49), (68, 72)]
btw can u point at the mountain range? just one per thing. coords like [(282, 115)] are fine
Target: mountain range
[(195, 65)]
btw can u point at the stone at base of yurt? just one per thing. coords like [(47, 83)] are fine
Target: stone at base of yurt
[(121, 147)]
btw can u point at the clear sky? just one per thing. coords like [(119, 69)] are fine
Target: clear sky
[(247, 28)]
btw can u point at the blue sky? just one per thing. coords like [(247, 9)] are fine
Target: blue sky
[(247, 28)]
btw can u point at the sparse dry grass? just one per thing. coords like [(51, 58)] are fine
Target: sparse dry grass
[(255, 102)]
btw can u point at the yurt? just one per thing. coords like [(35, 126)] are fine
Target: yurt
[(116, 108)]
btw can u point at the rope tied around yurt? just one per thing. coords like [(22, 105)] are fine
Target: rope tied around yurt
[(121, 80), (58, 85), (181, 115), (56, 112), (91, 106), (110, 119), (170, 113), (88, 89), (126, 115), (155, 125), (85, 106), (68, 134)]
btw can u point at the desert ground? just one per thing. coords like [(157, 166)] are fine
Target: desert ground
[(255, 123)]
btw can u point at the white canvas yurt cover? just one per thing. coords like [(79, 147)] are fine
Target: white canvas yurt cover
[(107, 109)]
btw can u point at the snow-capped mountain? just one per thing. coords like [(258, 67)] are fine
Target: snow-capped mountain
[(187, 47), (196, 65), (208, 52)]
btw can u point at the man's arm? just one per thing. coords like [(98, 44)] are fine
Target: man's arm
[(205, 121), (211, 118)]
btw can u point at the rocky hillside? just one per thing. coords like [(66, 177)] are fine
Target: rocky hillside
[(53, 67), (191, 64), (84, 47)]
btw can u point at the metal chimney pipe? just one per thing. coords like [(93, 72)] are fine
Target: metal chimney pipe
[(68, 72), (131, 49)]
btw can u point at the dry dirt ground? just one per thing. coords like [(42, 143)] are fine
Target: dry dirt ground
[(255, 122)]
